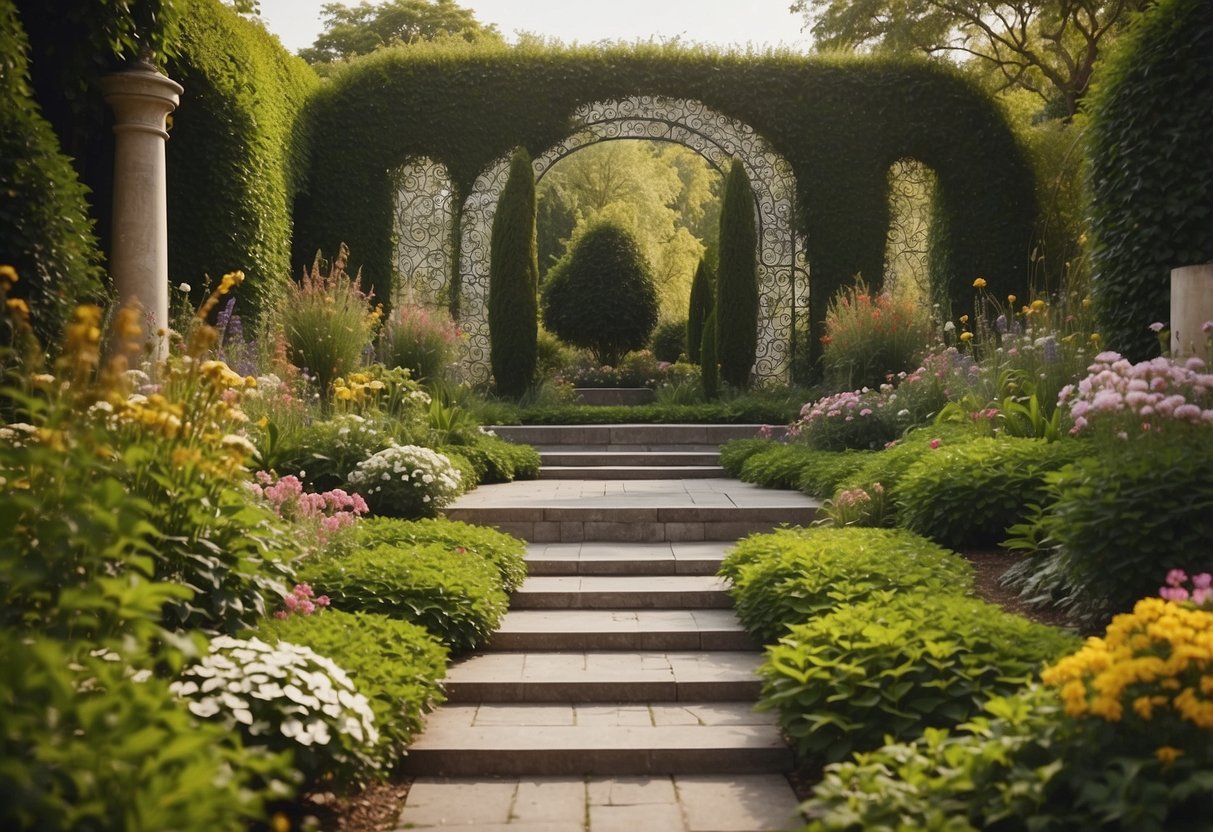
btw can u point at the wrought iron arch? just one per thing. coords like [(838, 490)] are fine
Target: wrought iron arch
[(782, 269)]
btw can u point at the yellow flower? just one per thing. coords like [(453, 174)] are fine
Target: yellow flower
[(1095, 339), (1011, 299), (966, 337), (964, 319), (1038, 305), (1086, 302), (18, 306), (979, 283), (1167, 755), (8, 276)]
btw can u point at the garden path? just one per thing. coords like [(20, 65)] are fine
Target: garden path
[(618, 692)]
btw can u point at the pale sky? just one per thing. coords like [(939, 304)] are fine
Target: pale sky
[(758, 23)]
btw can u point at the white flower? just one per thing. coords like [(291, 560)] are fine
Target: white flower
[(183, 287)]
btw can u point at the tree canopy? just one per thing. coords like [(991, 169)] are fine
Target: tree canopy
[(1048, 47), (350, 31)]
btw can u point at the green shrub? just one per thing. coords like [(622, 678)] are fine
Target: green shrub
[(409, 481), (1151, 179), (792, 576), (514, 281), (778, 466), (1113, 523), (456, 596), (871, 338), (396, 665), (327, 322), (897, 665), (860, 420), (887, 466), (601, 294), (736, 306), (88, 745), (699, 307), (325, 453), (735, 452), (502, 461), (968, 495), (421, 340), (829, 469), (506, 553), (743, 410), (47, 235), (709, 367), (670, 341)]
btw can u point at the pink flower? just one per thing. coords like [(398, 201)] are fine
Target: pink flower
[(1202, 581), (1177, 577), (935, 443), (1156, 326)]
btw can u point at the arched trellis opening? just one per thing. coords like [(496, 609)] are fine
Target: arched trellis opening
[(782, 269)]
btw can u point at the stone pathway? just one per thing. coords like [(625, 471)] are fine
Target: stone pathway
[(618, 692)]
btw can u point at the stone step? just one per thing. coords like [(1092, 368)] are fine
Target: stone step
[(605, 592), (632, 434), (595, 459), (630, 472), (602, 739), (606, 676), (551, 559), (641, 630)]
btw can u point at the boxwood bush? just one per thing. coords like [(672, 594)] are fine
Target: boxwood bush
[(505, 553), (500, 461), (791, 576), (735, 452), (455, 595), (396, 665), (778, 466), (968, 495), (897, 665)]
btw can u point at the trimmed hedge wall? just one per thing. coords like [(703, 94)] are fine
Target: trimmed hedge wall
[(1151, 169), (466, 106), (236, 153), (45, 233)]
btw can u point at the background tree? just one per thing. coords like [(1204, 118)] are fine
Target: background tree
[(699, 309), (736, 308), (350, 31), (513, 281), (1047, 47), (709, 370), (665, 194), (600, 296)]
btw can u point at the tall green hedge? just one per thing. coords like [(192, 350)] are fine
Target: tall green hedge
[(45, 233), (840, 121), (737, 281), (514, 282), (1151, 168), (697, 314), (236, 153)]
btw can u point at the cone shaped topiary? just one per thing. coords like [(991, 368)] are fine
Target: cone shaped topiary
[(737, 281), (513, 282), (699, 308), (709, 371), (600, 295)]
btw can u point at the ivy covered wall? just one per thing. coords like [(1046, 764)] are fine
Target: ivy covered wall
[(840, 122)]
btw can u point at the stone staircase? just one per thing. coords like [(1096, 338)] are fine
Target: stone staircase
[(620, 656)]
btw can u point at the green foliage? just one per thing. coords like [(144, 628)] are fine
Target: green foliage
[(736, 305), (396, 665), (325, 452), (735, 452), (1151, 173), (493, 99), (86, 744), (700, 307), (601, 295), (456, 596), (500, 460), (828, 470), (1022, 766), (47, 235), (897, 665), (743, 410), (889, 465), (968, 495), (781, 465), (411, 481), (1108, 527), (793, 576), (327, 322), (514, 281), (238, 155), (709, 367), (505, 553), (360, 30), (670, 340)]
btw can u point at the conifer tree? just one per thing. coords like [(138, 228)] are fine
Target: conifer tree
[(699, 308), (737, 281), (709, 372), (514, 282)]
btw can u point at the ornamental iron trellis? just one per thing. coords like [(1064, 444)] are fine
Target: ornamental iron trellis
[(424, 228), (782, 263)]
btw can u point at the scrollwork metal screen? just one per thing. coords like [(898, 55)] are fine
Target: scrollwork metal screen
[(782, 270), (423, 228)]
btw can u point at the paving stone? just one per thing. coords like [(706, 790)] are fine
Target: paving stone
[(651, 818), (737, 804), (630, 791), (549, 800), (442, 802)]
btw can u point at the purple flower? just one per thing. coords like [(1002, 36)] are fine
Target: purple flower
[(1156, 326)]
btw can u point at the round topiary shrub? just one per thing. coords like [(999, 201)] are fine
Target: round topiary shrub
[(601, 294), (670, 341), (1151, 170), (897, 665)]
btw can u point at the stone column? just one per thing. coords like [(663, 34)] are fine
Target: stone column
[(141, 99), (1191, 308)]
